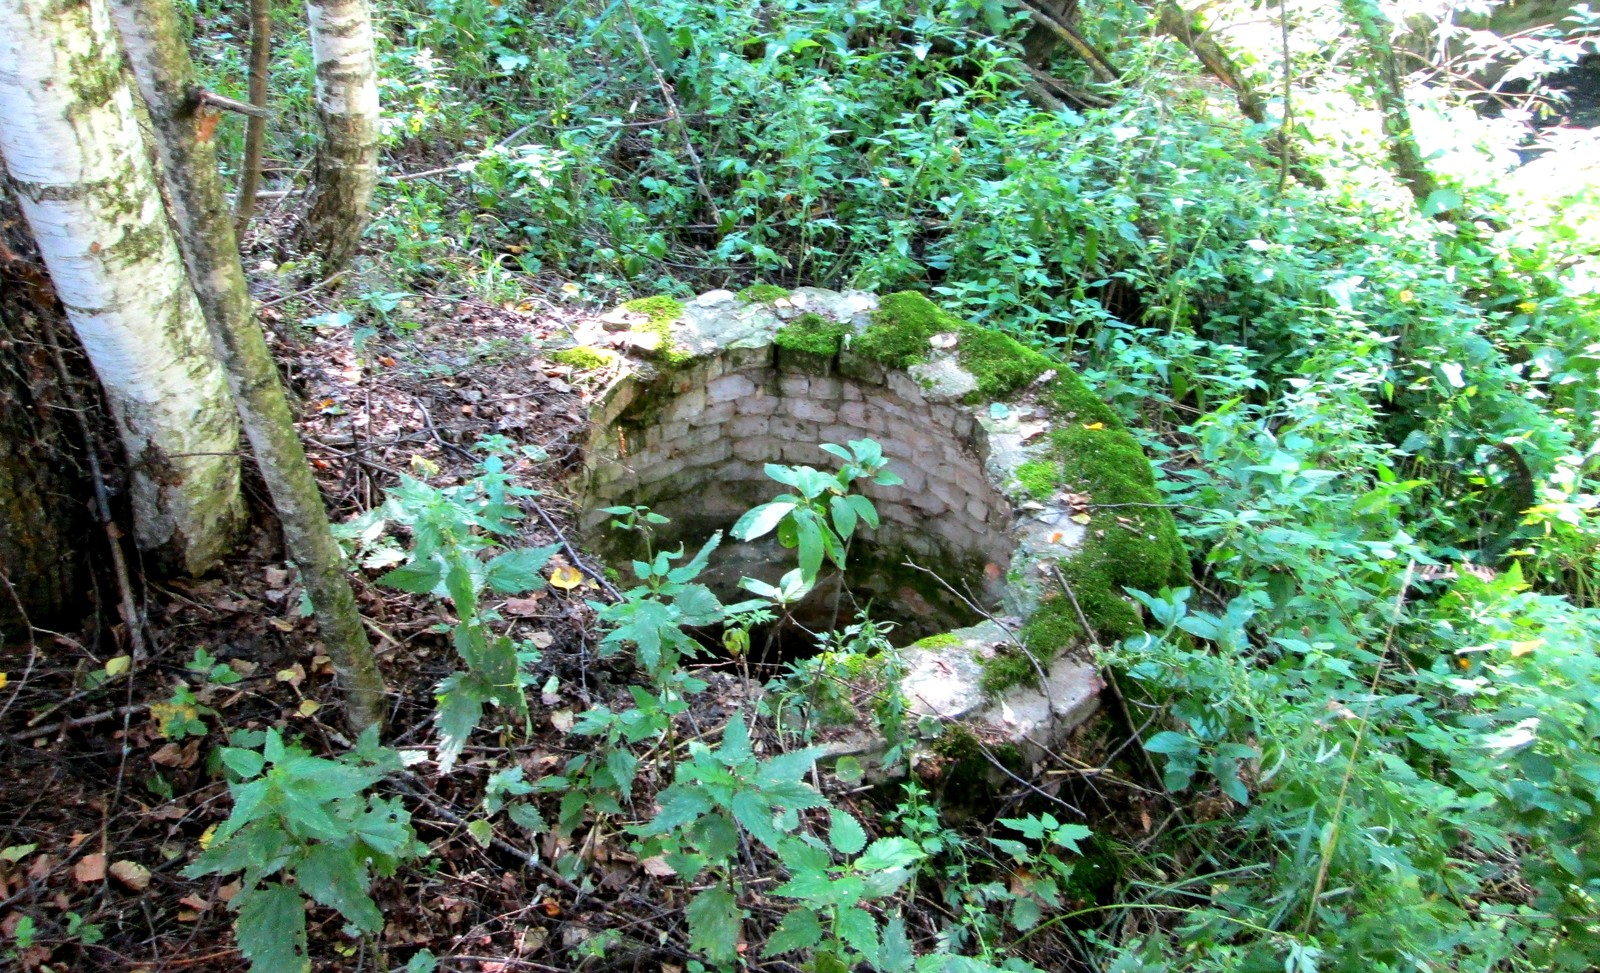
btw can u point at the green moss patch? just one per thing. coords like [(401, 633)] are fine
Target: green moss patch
[(812, 334), (1000, 363), (763, 293), (662, 311), (905, 321), (944, 640), (584, 358), (1131, 542)]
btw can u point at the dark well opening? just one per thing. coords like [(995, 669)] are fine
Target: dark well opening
[(695, 452)]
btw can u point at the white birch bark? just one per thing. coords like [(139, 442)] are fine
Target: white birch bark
[(346, 169), (87, 189)]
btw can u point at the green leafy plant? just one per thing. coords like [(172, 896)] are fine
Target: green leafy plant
[(821, 516), (450, 529), (305, 827)]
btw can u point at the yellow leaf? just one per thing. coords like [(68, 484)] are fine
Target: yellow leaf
[(308, 706), (3, 680), (1523, 648), (206, 836), (1094, 425), (1080, 518), (117, 665), (566, 578)]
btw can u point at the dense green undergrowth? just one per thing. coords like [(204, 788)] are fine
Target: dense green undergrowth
[(1376, 758)]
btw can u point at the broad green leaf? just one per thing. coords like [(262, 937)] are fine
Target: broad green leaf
[(1025, 913), (798, 930), (422, 962), (331, 877), (856, 926), (696, 605), (759, 521), (895, 956), (271, 929), (716, 836), (816, 887), (418, 578), (714, 924), (886, 853), (849, 770), (688, 572), (527, 816), (751, 809), (679, 806), (460, 709), (845, 832), (844, 515), (864, 509), (517, 571), (735, 749)]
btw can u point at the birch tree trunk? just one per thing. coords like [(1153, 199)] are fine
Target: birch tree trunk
[(88, 192), (346, 169), (161, 62)]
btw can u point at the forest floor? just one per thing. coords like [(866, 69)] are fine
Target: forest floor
[(105, 790), (108, 785)]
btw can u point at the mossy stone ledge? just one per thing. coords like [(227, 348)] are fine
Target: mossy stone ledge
[(1021, 486)]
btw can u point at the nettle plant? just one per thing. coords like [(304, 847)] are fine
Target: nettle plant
[(452, 528), (305, 827)]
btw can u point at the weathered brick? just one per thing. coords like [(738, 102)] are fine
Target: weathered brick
[(729, 388)]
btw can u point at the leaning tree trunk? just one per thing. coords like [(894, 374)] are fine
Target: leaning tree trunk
[(244, 205), (346, 169), (86, 188), (161, 63), (1383, 74)]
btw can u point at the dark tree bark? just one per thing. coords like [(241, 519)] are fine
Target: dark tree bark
[(244, 205), (166, 77), (43, 527)]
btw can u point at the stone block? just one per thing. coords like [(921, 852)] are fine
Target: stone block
[(729, 388), (794, 386), (687, 404), (812, 411), (714, 415), (851, 392), (745, 427), (757, 404), (756, 449), (907, 388)]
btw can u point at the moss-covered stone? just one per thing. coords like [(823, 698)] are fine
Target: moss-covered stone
[(584, 357), (1039, 479), (943, 640), (812, 334), (1000, 363), (763, 293), (905, 322), (1131, 540), (661, 311), (900, 329)]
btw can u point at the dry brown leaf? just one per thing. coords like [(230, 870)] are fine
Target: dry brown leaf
[(90, 868), (132, 874), (523, 607)]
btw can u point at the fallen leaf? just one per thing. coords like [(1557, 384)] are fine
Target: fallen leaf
[(117, 665), (542, 639), (195, 902), (561, 719), (566, 577), (132, 874), (1094, 425), (1080, 518), (307, 707), (294, 675), (90, 868), (523, 607)]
